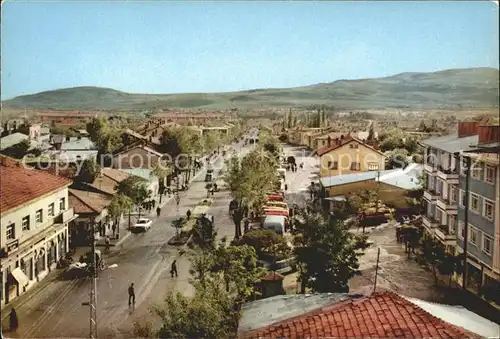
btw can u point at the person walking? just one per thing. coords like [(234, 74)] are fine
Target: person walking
[(188, 214), (158, 211), (177, 200), (131, 294), (13, 323), (173, 269), (107, 243)]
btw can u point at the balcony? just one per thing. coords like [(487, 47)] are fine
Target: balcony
[(430, 168), (451, 176), (430, 194), (66, 216), (443, 234), (446, 205), (429, 223)]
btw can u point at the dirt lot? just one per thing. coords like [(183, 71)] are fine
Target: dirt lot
[(396, 272)]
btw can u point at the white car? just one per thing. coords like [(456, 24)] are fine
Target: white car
[(142, 225)]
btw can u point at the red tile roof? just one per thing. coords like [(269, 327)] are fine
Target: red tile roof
[(20, 184), (88, 202), (343, 142), (381, 315)]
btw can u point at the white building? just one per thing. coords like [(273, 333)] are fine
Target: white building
[(34, 226)]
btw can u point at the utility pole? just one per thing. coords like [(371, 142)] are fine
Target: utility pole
[(92, 303), (93, 291), (376, 270)]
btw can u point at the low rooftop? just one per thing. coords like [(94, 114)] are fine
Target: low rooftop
[(21, 184), (380, 315)]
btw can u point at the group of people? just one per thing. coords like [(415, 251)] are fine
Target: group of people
[(293, 166), (149, 205)]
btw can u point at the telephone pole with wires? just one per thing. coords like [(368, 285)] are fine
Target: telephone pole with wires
[(92, 303)]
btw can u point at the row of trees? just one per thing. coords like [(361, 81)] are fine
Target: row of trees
[(223, 277)]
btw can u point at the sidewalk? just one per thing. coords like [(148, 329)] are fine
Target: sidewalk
[(54, 275)]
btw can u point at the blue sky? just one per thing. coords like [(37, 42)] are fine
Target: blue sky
[(173, 47)]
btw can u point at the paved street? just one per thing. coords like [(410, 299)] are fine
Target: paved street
[(143, 259), (299, 182)]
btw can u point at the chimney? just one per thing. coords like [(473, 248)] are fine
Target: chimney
[(488, 134), (467, 129), (329, 141), (342, 137), (337, 141)]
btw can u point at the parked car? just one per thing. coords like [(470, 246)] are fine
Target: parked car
[(142, 225)]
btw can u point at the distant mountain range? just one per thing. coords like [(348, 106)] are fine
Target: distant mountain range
[(453, 88)]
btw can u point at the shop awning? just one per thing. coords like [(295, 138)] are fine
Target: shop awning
[(20, 277)]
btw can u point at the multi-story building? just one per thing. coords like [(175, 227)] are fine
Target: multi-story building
[(34, 226), (463, 183)]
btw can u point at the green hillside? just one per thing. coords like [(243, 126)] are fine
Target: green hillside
[(454, 88)]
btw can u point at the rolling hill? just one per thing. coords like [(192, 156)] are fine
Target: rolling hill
[(453, 88)]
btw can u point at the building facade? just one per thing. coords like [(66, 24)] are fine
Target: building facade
[(462, 202), (34, 226), (347, 155)]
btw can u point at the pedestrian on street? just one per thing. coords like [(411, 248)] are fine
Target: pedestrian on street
[(113, 227), (158, 211), (14, 324), (213, 219), (188, 214), (107, 244), (173, 269), (131, 294), (286, 187)]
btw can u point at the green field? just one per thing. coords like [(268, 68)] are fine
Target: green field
[(454, 88)]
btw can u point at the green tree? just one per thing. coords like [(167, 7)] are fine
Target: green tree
[(105, 137), (120, 205), (371, 133), (211, 313), (267, 244), (238, 265), (203, 233), (327, 254), (88, 172), (398, 158), (134, 188)]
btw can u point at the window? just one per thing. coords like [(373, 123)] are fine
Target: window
[(51, 210), (489, 174), (476, 170), (453, 194), (355, 166), (39, 216), (26, 223), (474, 202), (461, 229), (333, 165), (373, 167), (439, 215), (488, 208), (487, 244), (473, 235), (10, 232), (462, 197), (353, 145), (62, 204)]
